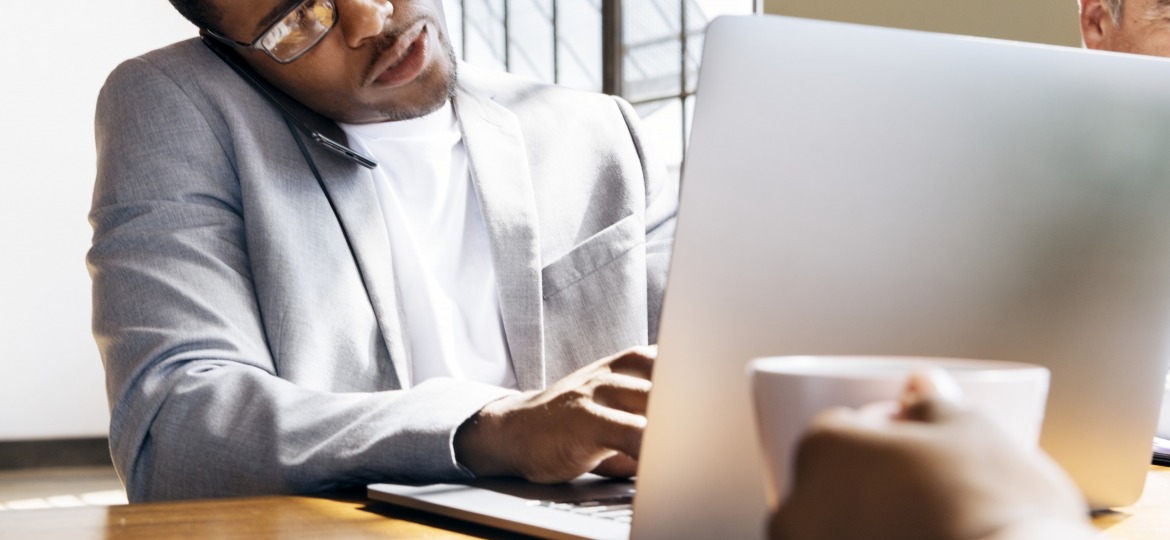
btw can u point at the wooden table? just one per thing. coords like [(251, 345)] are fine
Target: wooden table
[(1149, 518), (276, 517), (353, 517)]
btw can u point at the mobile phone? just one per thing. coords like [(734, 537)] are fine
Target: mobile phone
[(320, 129)]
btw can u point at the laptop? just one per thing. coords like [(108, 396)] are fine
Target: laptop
[(861, 190)]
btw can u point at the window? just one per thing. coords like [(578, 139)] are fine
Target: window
[(646, 51)]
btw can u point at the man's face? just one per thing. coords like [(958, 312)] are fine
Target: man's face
[(382, 60), (1144, 27)]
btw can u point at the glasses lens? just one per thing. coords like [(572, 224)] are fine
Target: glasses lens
[(298, 31)]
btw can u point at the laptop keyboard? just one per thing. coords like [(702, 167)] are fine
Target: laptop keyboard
[(619, 508)]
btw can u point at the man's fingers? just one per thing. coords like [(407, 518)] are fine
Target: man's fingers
[(618, 430), (618, 466), (576, 425), (636, 362), (623, 392), (931, 396)]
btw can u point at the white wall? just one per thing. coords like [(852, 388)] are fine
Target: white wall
[(54, 61)]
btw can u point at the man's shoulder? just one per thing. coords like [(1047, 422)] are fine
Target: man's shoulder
[(184, 61), (182, 82)]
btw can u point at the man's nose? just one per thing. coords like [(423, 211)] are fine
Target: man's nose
[(362, 19)]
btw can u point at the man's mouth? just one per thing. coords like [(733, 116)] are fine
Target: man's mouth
[(403, 62)]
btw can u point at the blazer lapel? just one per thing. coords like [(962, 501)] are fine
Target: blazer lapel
[(499, 166), (355, 199)]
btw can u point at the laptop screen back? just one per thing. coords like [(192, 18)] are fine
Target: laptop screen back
[(856, 190)]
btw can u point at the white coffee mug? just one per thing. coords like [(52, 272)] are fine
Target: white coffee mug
[(790, 390)]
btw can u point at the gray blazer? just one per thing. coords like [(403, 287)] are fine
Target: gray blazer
[(248, 351)]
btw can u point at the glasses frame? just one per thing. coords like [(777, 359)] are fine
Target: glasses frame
[(253, 45)]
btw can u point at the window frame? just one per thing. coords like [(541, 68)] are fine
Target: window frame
[(614, 49)]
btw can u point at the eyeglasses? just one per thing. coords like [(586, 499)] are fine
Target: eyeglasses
[(295, 31)]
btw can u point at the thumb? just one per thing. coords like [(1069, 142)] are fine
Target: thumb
[(931, 395)]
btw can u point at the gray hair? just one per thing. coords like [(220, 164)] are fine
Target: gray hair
[(1160, 10), (1114, 7)]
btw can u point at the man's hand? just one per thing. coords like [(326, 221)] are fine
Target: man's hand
[(592, 420), (935, 470)]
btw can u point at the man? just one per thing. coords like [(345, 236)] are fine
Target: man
[(1131, 26), (275, 317)]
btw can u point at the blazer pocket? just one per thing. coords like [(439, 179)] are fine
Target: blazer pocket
[(595, 253)]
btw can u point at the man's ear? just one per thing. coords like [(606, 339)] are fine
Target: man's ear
[(1096, 23)]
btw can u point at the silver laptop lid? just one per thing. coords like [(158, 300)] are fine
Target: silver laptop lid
[(856, 190)]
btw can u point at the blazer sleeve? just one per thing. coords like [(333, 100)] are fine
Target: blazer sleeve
[(197, 405), (662, 199)]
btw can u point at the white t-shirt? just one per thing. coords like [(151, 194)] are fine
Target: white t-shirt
[(440, 248)]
